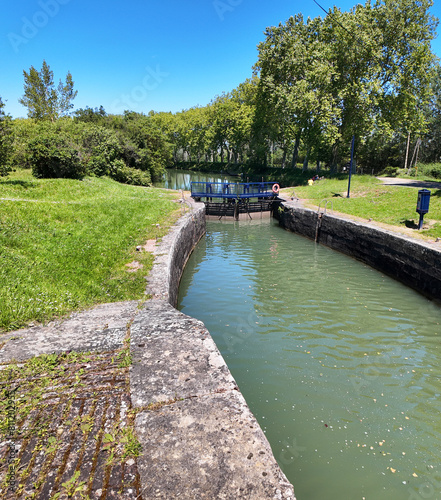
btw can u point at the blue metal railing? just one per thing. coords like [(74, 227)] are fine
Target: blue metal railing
[(233, 190)]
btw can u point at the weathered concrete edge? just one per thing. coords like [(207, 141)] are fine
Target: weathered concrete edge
[(172, 254), (415, 263), (212, 419)]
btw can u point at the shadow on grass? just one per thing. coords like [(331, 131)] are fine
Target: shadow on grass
[(24, 184), (410, 224)]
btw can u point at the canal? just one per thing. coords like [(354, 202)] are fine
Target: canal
[(340, 364), (182, 179)]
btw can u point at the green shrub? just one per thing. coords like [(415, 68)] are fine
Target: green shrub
[(54, 156), (389, 171), (100, 148), (430, 170), (119, 172)]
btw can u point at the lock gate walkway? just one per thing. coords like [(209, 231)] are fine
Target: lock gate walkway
[(232, 199), (233, 190)]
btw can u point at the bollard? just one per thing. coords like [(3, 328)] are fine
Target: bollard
[(422, 205)]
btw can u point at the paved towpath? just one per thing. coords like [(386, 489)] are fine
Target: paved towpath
[(396, 181)]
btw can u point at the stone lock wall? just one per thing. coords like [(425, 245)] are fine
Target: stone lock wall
[(172, 254)]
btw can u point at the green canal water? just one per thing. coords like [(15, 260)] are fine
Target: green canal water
[(340, 364)]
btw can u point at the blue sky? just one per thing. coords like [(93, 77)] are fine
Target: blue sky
[(165, 55)]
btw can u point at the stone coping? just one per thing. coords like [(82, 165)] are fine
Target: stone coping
[(200, 440)]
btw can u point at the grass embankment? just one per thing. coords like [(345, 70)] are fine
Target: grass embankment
[(370, 199), (64, 244)]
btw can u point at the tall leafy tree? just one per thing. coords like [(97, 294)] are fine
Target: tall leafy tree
[(44, 100), (355, 56), (231, 120), (431, 146), (365, 72), (295, 93), (406, 30)]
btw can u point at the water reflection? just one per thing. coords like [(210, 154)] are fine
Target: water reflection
[(181, 179), (340, 364)]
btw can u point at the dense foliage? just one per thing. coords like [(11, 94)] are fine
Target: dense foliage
[(54, 156), (129, 148), (367, 73)]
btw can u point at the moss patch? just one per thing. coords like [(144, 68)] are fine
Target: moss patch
[(67, 427)]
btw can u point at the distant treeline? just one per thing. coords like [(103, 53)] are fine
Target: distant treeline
[(367, 75)]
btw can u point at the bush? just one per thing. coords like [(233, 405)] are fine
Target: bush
[(389, 171), (53, 156), (100, 149), (119, 172), (4, 170), (430, 169)]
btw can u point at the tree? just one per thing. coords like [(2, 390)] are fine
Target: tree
[(43, 100), (53, 155), (167, 123), (90, 115), (5, 141), (152, 151), (431, 150), (295, 98), (364, 73)]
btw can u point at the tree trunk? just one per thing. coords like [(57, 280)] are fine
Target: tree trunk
[(284, 158), (306, 160), (407, 151), (295, 153), (334, 158)]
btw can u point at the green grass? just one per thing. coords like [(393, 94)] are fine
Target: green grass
[(369, 199), (67, 249)]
